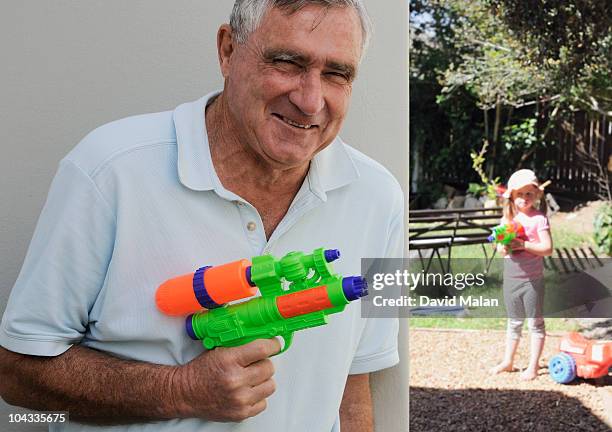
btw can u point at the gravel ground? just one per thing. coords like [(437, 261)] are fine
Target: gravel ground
[(451, 390)]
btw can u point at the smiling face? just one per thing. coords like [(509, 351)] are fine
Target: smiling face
[(288, 87), (525, 197)]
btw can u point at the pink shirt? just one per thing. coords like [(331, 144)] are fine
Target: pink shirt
[(523, 264)]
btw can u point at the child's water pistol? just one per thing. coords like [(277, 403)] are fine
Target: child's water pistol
[(504, 234), (298, 291)]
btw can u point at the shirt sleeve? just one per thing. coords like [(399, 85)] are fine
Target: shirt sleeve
[(64, 268), (377, 347), (543, 224)]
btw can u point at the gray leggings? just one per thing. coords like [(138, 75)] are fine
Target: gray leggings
[(524, 299)]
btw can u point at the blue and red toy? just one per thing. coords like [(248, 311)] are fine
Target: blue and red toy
[(580, 357)]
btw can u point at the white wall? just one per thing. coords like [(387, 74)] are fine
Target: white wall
[(69, 66)]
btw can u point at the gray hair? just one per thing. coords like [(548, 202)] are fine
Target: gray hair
[(247, 15)]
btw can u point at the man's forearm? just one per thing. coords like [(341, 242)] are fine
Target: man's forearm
[(356, 407), (93, 387)]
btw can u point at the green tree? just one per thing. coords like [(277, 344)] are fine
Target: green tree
[(571, 40), (494, 68), (476, 67), (441, 132)]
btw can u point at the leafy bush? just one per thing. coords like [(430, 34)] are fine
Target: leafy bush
[(490, 186), (522, 136), (603, 229), (430, 193), (476, 189)]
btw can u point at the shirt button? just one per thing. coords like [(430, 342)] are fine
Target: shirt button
[(251, 226)]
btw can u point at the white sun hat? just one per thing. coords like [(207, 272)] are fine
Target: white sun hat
[(520, 179)]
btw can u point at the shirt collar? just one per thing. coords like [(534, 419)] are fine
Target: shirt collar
[(331, 168), (195, 167)]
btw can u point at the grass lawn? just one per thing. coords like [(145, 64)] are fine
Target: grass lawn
[(567, 238)]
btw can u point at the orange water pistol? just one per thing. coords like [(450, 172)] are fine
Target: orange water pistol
[(298, 291)]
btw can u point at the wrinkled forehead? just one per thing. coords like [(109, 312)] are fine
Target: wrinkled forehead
[(334, 31), (292, 8), (320, 12)]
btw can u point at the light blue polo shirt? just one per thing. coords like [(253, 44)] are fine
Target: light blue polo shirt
[(138, 202)]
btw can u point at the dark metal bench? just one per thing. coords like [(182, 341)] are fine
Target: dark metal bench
[(433, 230)]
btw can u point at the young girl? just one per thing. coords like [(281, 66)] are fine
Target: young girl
[(524, 268)]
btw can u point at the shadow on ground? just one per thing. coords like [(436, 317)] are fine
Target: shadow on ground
[(435, 409)]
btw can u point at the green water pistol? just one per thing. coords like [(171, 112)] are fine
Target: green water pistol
[(298, 291)]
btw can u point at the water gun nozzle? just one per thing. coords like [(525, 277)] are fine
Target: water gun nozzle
[(331, 255), (354, 287)]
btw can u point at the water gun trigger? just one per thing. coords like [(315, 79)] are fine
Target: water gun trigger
[(285, 340)]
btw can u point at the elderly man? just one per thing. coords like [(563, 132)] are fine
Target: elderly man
[(257, 168)]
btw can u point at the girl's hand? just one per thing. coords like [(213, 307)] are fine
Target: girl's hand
[(517, 244), (502, 250), (541, 248)]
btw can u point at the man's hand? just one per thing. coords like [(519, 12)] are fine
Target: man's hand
[(226, 384)]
